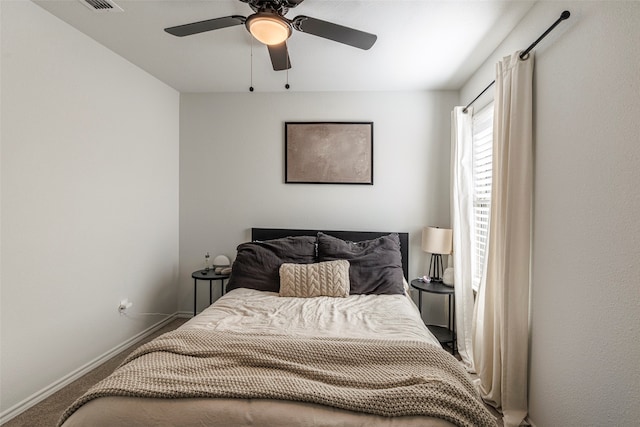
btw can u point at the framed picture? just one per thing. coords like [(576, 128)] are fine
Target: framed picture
[(329, 153)]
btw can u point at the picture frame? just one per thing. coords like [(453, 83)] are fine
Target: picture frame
[(329, 153)]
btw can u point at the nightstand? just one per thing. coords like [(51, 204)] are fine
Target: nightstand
[(210, 276), (446, 336)]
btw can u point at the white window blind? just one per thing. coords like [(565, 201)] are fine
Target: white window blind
[(482, 165)]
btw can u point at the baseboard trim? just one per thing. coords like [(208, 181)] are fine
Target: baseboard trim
[(39, 396), (184, 314)]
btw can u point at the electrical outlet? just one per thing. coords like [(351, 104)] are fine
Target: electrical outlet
[(124, 305)]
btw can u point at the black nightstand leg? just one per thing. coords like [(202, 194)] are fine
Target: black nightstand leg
[(210, 292), (453, 325), (452, 322), (195, 295), (420, 301), (449, 321)]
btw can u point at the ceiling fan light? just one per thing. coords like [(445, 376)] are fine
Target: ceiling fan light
[(268, 29)]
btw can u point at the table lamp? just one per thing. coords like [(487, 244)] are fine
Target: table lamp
[(438, 242)]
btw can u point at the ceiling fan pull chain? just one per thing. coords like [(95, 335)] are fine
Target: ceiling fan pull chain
[(286, 86), (251, 66)]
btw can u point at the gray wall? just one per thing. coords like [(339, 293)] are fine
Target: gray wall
[(89, 171), (585, 299), (232, 171)]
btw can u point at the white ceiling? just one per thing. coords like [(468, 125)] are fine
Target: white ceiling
[(422, 45)]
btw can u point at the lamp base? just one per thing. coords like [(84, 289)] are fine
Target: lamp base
[(435, 268)]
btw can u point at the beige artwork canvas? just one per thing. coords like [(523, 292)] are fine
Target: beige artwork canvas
[(329, 153)]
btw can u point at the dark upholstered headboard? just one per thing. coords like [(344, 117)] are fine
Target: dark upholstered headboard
[(354, 236)]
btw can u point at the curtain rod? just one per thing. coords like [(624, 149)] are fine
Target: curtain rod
[(524, 55)]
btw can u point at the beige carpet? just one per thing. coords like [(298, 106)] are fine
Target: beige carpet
[(47, 412)]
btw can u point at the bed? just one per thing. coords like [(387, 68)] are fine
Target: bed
[(316, 329)]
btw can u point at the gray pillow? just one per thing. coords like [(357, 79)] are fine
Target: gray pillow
[(375, 266), (257, 263)]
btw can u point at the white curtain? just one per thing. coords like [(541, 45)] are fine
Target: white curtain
[(501, 329), (462, 223)]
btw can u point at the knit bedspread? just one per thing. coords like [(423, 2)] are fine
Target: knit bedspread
[(391, 378)]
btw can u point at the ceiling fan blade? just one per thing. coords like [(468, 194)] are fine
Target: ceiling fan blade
[(279, 56), (208, 25), (292, 3), (335, 32)]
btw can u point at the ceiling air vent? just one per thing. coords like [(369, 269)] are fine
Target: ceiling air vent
[(101, 5)]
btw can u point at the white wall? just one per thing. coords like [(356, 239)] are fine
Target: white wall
[(585, 307), (232, 172), (89, 200)]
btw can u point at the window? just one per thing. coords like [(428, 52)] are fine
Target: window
[(482, 165)]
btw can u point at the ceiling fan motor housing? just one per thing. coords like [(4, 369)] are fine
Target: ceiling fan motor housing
[(280, 7)]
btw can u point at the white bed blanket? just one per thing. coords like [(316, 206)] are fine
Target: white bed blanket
[(357, 316)]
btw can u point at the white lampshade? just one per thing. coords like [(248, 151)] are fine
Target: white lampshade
[(268, 28), (437, 240)]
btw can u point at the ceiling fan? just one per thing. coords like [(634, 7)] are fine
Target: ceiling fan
[(269, 26)]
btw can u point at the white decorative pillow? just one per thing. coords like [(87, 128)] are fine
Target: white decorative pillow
[(329, 278)]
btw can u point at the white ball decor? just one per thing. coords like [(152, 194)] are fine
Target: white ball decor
[(447, 276), (221, 261)]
